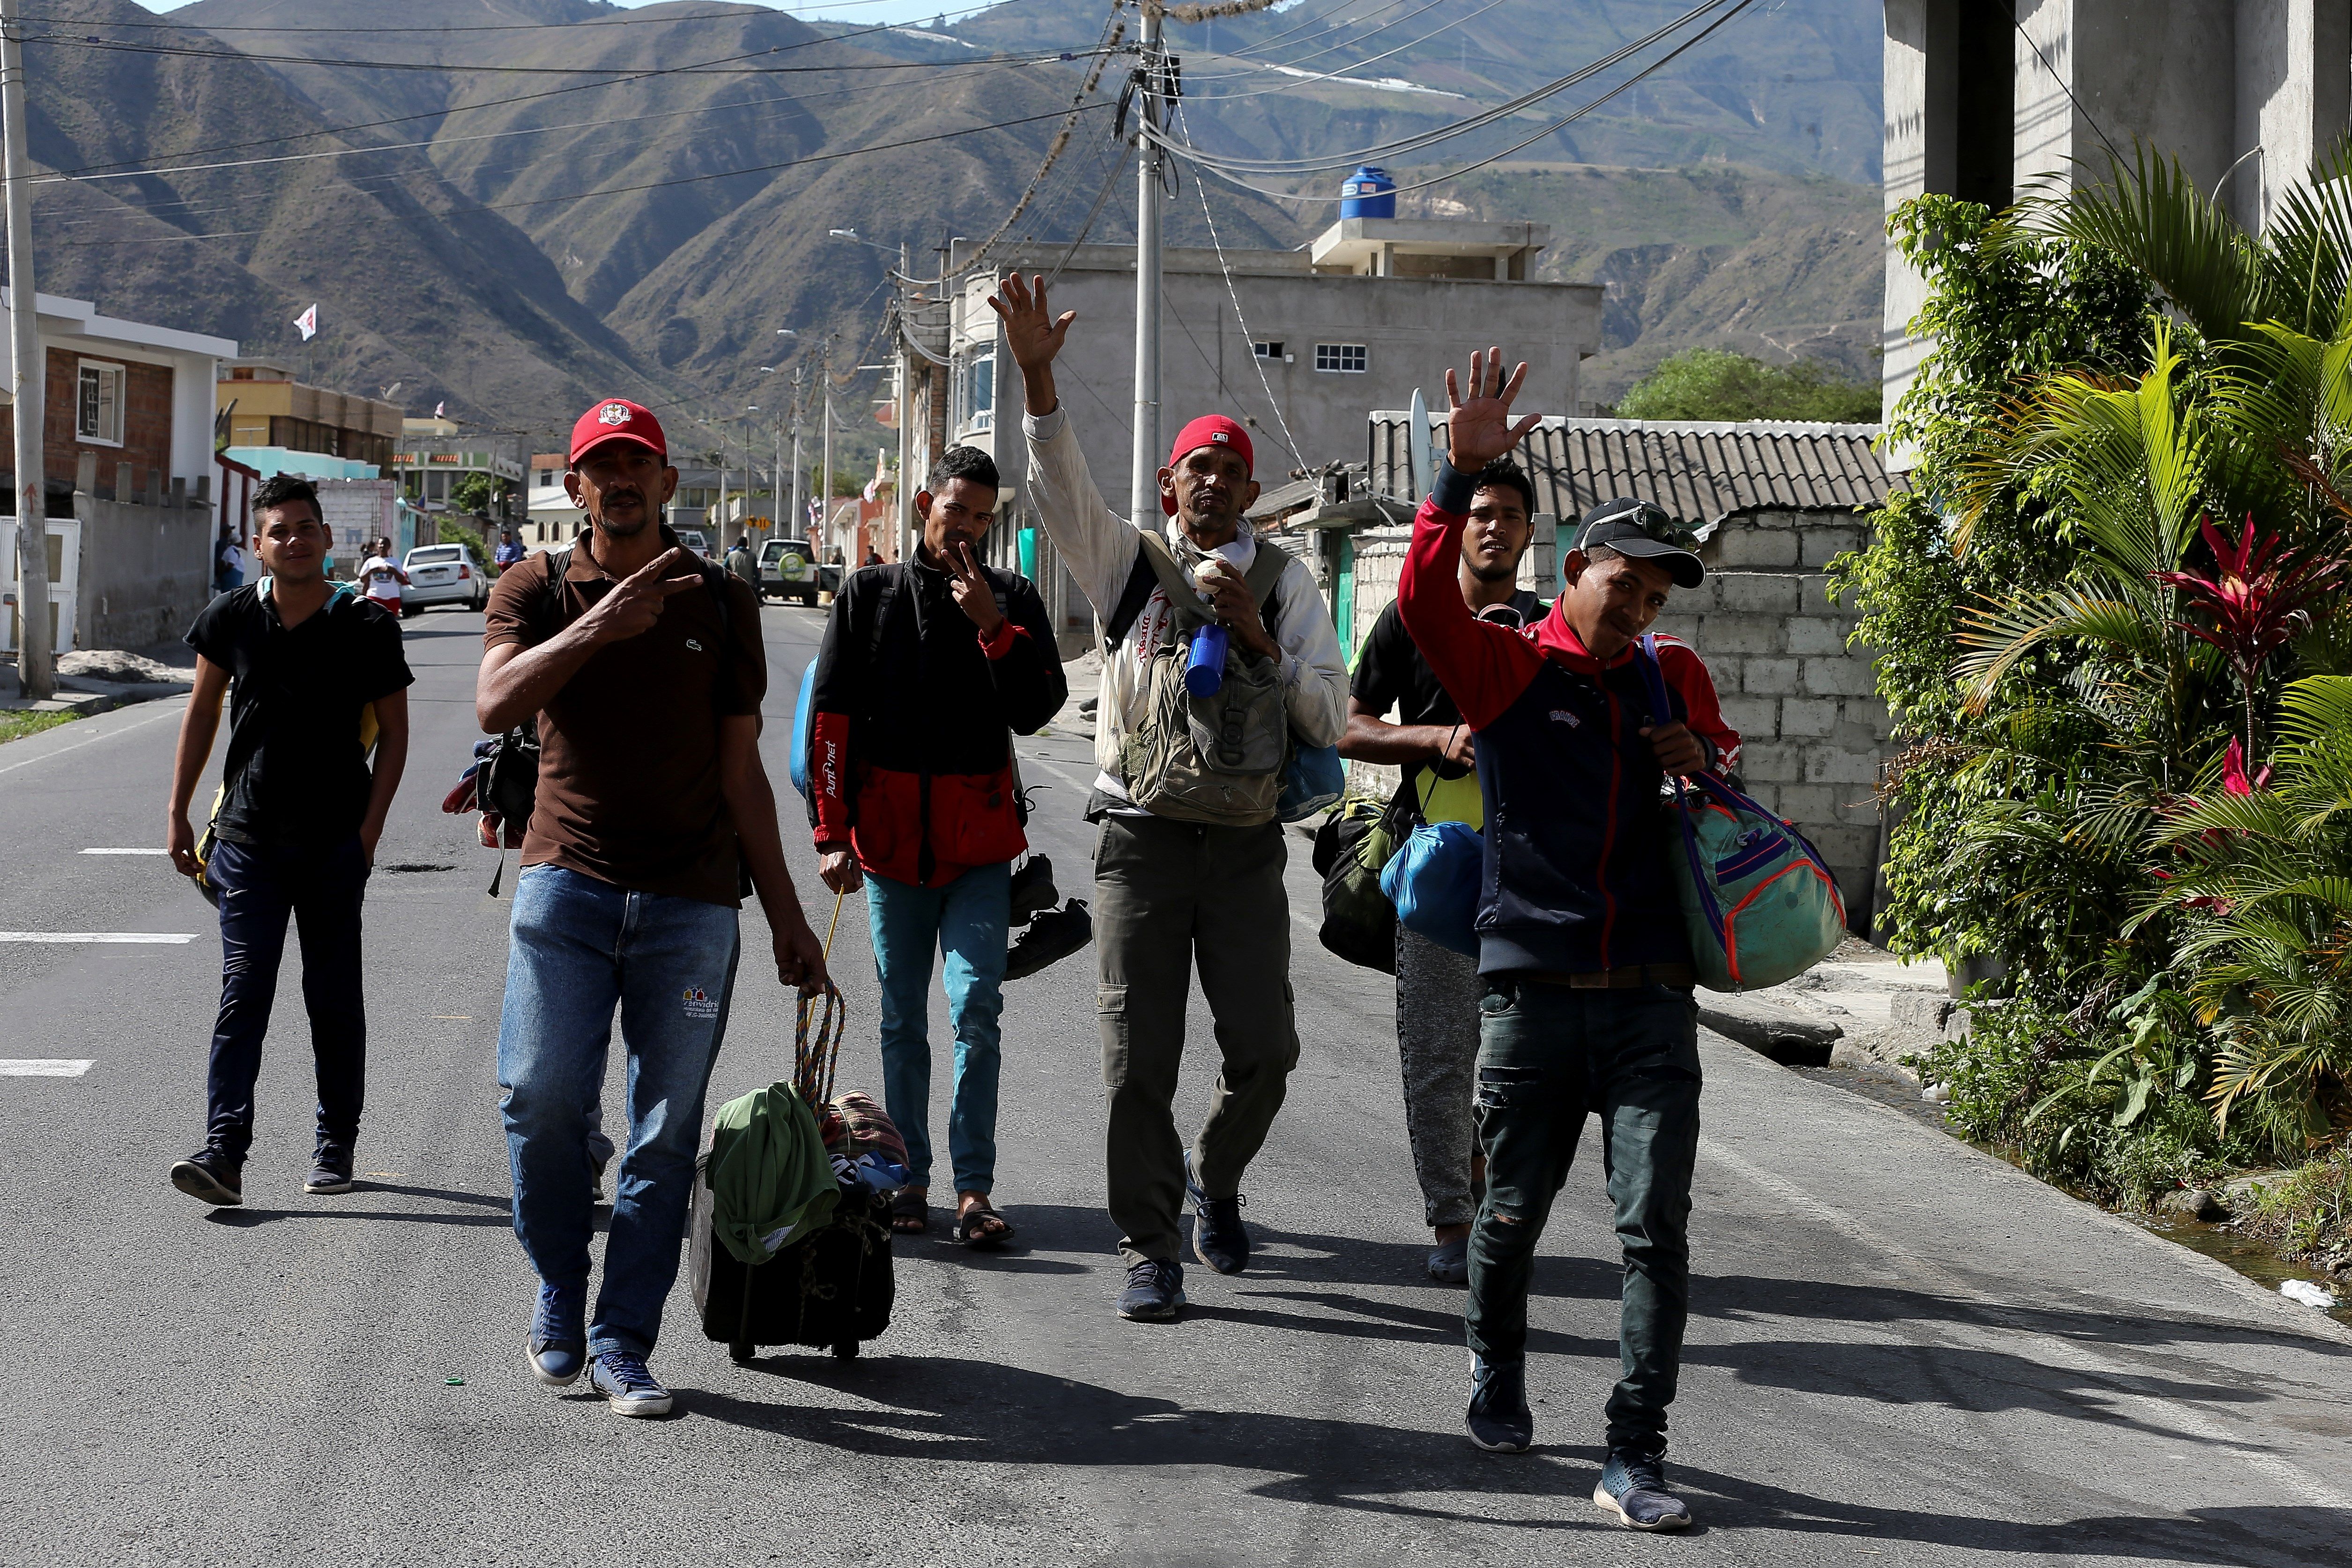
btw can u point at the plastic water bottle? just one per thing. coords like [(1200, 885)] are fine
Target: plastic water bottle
[(1204, 672)]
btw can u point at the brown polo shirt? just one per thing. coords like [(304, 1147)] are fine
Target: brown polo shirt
[(628, 761)]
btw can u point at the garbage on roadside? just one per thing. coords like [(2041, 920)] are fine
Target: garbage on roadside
[(2309, 1294)]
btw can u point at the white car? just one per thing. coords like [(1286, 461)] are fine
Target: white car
[(444, 574), (694, 540)]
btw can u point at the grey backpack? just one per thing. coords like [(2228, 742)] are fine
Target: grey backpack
[(1216, 760)]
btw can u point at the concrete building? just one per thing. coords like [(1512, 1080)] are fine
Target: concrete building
[(127, 420), (2246, 93), (436, 454), (1296, 345), (262, 405)]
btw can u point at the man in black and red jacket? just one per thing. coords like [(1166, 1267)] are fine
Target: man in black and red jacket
[(1581, 943), (927, 668)]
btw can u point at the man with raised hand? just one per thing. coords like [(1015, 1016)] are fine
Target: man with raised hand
[(643, 669), (1587, 1007), (927, 669), (295, 832), (1437, 989), (1189, 865)]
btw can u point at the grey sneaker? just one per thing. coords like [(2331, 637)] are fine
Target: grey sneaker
[(1154, 1293), (1497, 1418), (622, 1378), (331, 1170), (1633, 1488)]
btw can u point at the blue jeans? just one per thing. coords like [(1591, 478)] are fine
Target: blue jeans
[(260, 886), (967, 921), (580, 948), (1549, 1055)]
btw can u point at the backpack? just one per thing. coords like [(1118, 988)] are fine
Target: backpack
[(1758, 900), (1351, 849), (506, 778), (1220, 759)]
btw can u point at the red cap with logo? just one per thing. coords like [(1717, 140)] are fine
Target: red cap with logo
[(1209, 430), (618, 419)]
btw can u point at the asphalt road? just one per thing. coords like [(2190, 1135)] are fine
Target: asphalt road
[(1901, 1350)]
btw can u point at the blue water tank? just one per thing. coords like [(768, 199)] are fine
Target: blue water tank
[(1368, 193)]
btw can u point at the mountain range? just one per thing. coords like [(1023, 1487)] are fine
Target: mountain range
[(517, 217)]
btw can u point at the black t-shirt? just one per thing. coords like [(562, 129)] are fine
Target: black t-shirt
[(295, 772), (1390, 673)]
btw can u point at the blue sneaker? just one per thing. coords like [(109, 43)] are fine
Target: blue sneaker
[(1154, 1293), (622, 1379), (558, 1337), (1497, 1418), (1218, 1238), (1633, 1488)]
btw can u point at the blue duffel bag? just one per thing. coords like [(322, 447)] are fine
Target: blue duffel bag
[(1434, 882)]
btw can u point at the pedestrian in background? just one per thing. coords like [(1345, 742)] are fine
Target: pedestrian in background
[(381, 577), (300, 815), (1437, 989), (1582, 942), (1177, 881), (743, 564), (644, 672), (508, 552), (928, 669), (228, 563)]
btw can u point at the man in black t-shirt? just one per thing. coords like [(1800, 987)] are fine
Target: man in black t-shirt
[(1438, 989), (296, 827)]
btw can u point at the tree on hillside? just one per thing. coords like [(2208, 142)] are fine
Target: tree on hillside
[(1711, 383)]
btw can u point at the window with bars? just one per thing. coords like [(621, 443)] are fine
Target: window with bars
[(97, 403), (1346, 357)]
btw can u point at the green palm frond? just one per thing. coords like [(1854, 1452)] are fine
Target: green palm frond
[(2152, 218)]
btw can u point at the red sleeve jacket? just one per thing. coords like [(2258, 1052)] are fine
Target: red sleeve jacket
[(910, 761), (1575, 877)]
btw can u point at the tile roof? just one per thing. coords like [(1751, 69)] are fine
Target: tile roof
[(1701, 472)]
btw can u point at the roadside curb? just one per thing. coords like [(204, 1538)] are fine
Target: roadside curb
[(85, 697)]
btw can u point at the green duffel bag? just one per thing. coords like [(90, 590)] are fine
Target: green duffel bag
[(1350, 849)]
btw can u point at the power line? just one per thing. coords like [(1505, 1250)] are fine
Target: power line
[(1188, 154), (1339, 73), (1201, 186), (736, 14), (1114, 28)]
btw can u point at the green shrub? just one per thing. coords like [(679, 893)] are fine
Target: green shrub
[(1710, 383)]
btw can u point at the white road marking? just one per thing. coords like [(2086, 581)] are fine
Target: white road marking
[(169, 711), (43, 1066), (55, 936), (136, 850)]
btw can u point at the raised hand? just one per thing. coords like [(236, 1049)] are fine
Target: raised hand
[(1480, 429), (632, 609), (1031, 332), (972, 595)]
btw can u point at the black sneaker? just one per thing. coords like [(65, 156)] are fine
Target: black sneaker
[(1154, 1293), (1033, 889), (331, 1170), (596, 1198), (1497, 1418), (558, 1347), (211, 1175), (1633, 1488), (1218, 1238), (1051, 937)]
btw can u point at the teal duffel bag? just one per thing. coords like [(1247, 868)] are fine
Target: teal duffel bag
[(1759, 901)]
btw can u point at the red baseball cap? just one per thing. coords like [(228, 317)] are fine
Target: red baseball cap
[(618, 419), (1209, 430)]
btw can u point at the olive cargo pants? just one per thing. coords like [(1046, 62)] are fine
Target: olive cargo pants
[(1168, 894)]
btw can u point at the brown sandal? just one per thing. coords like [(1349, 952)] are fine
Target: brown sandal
[(910, 1213), (971, 1229)]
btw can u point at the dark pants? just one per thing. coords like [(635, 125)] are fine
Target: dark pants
[(260, 885), (1547, 1056), (1168, 895)]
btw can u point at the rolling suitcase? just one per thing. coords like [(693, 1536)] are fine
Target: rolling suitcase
[(833, 1287)]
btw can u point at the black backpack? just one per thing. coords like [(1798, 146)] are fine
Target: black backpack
[(506, 777)]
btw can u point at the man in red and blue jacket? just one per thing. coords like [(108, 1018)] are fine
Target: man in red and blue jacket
[(1582, 942), (927, 668)]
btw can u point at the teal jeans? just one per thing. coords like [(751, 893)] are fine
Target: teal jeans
[(1547, 1055)]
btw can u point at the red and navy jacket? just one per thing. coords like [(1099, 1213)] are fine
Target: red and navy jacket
[(1575, 875), (910, 760)]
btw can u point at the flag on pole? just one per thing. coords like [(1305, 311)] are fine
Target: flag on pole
[(306, 324), (436, 414)]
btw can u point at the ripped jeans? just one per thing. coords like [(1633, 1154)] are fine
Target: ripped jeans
[(1549, 1053)]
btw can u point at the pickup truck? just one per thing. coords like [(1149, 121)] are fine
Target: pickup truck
[(789, 569)]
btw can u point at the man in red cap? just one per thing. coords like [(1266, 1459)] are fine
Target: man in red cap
[(641, 667), (1209, 631)]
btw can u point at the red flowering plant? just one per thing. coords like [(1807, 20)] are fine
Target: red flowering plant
[(2255, 601)]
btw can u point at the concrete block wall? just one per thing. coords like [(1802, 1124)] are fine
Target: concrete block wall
[(146, 562), (1806, 705)]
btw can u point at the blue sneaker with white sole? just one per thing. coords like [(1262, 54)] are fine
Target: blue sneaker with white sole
[(1633, 1488), (622, 1378), (559, 1335)]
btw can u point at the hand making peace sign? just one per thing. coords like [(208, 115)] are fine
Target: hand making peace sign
[(972, 595)]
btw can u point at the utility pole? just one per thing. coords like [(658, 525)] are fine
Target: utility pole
[(1143, 485), (824, 485), (799, 500), (36, 659), (776, 485), (900, 379), (718, 517)]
